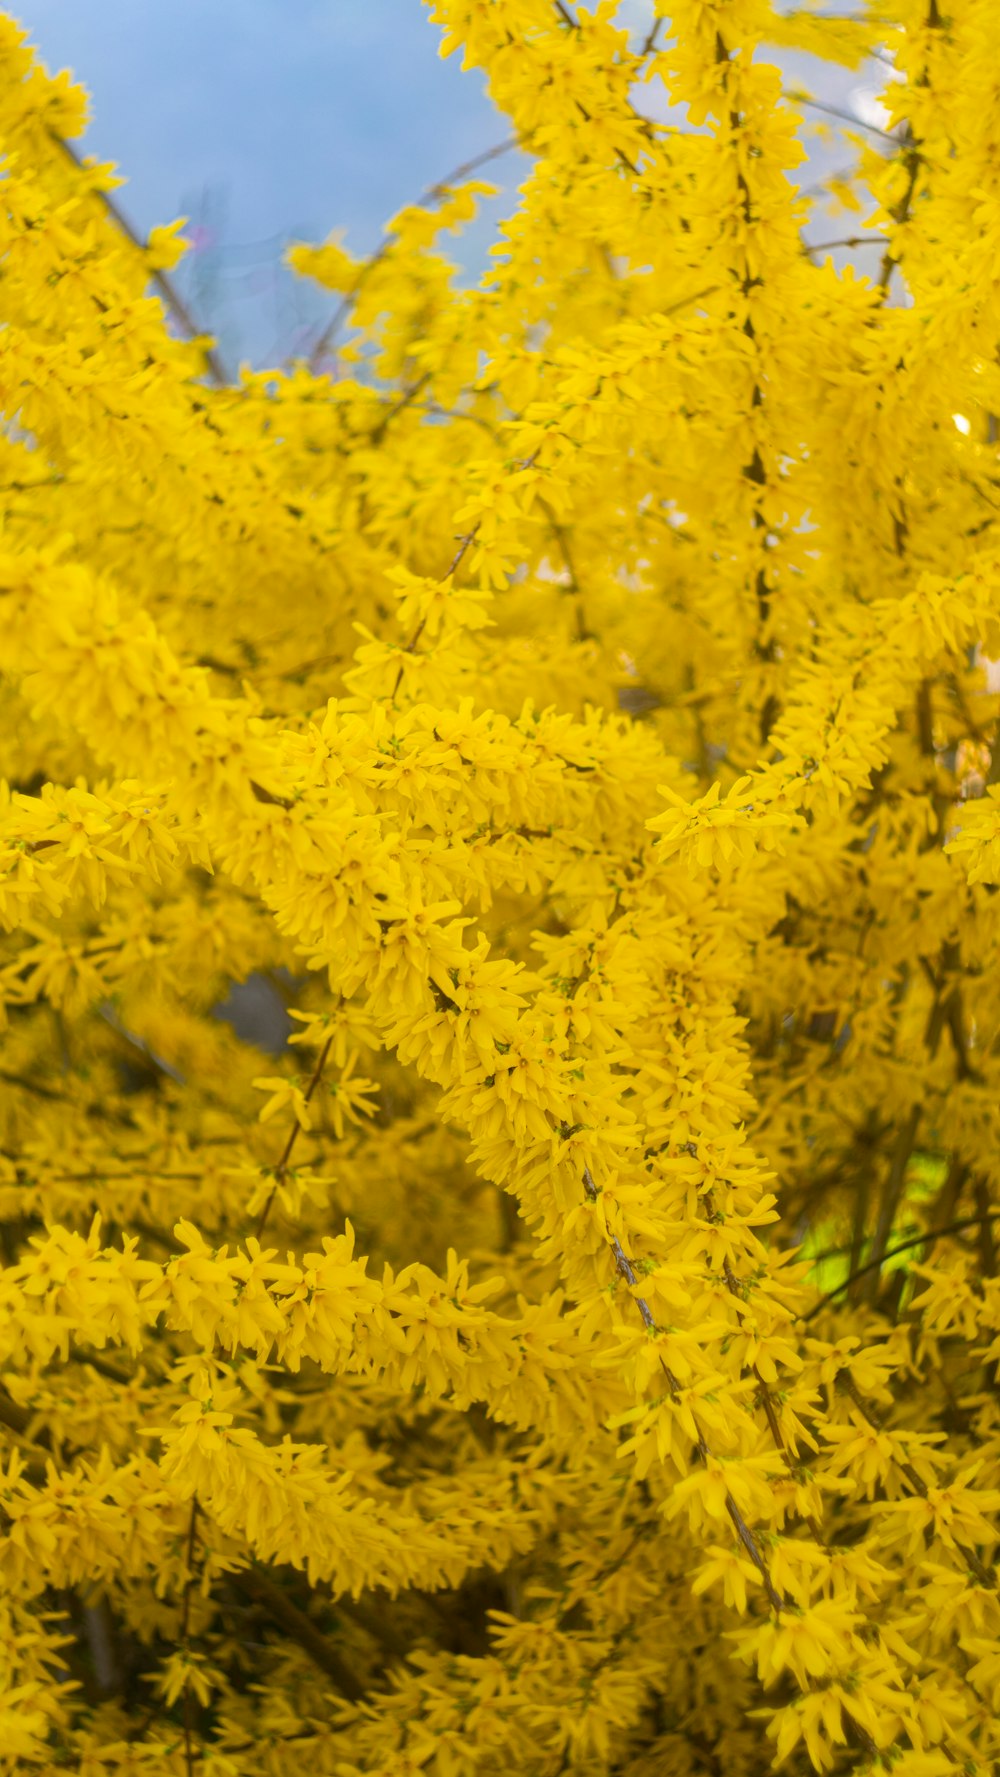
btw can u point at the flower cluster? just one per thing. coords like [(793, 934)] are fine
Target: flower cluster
[(576, 1348)]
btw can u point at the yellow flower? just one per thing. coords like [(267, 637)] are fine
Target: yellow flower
[(286, 1094)]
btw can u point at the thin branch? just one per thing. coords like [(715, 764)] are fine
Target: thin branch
[(851, 240), (893, 1193), (985, 1575), (165, 285), (185, 1630), (158, 1236), (626, 1270), (99, 1175), (18, 1419), (406, 400), (293, 1136), (925, 1239), (110, 1016), (799, 98), (189, 1567), (559, 533), (259, 1586), (913, 161), (819, 186), (111, 1372), (464, 543), (432, 194), (263, 1743), (29, 1085)]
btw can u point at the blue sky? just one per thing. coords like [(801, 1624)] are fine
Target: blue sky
[(265, 121), (269, 120)]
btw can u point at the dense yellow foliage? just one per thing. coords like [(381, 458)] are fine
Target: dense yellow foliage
[(571, 695)]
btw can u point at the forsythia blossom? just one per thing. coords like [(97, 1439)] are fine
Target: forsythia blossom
[(575, 1349)]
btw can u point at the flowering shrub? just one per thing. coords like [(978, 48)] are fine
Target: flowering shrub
[(577, 1351)]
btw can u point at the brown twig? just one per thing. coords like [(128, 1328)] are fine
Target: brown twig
[(913, 160), (985, 1575), (850, 240), (626, 1270), (165, 285), (433, 194), (265, 1591), (464, 544), (893, 1193), (18, 1419), (406, 399), (293, 1135), (926, 1238), (185, 1630), (800, 98), (29, 1085)]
